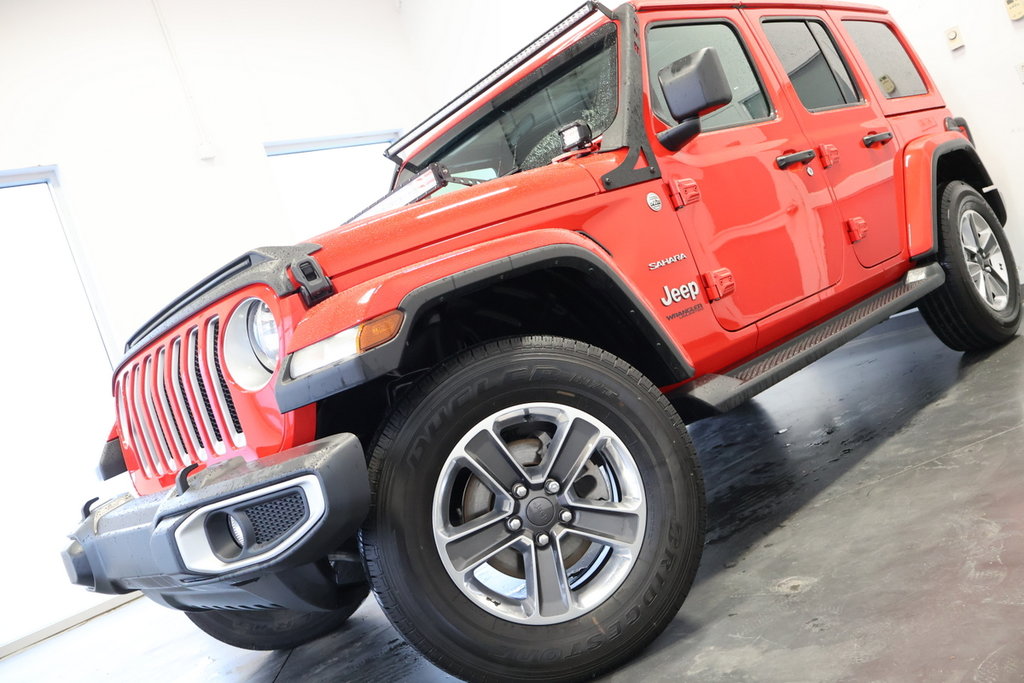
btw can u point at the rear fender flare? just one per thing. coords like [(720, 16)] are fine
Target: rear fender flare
[(921, 160)]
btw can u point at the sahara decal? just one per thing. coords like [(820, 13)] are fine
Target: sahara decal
[(666, 262)]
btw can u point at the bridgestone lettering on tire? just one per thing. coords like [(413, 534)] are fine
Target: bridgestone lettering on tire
[(979, 305), (538, 512)]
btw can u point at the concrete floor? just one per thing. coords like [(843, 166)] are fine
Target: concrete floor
[(866, 524)]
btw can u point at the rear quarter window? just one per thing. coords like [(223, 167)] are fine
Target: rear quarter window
[(891, 66)]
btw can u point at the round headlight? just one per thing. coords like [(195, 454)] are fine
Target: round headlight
[(263, 334), (252, 344)]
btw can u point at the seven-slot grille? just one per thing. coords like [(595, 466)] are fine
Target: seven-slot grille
[(173, 402)]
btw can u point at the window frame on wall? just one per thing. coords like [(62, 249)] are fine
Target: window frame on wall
[(744, 47), (50, 176), (840, 52), (330, 143)]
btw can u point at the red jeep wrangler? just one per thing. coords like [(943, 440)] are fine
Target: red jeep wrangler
[(472, 398)]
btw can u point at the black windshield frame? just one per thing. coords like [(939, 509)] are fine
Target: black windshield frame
[(598, 44)]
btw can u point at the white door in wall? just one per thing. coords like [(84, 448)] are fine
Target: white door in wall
[(55, 413)]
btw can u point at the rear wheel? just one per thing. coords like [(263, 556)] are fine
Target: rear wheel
[(277, 629), (538, 512), (979, 305)]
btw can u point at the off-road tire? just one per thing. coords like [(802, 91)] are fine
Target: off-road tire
[(277, 629), (956, 312), (404, 559)]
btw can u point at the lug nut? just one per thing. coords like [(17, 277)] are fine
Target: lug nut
[(566, 516), (519, 491), (514, 524), (542, 540), (551, 486)]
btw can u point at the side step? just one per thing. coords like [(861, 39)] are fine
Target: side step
[(714, 394)]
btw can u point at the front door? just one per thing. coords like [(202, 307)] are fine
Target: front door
[(762, 225)]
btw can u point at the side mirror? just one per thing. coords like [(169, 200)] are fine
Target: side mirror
[(693, 87)]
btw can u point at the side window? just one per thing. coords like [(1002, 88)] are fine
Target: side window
[(889, 62), (667, 43), (817, 71)]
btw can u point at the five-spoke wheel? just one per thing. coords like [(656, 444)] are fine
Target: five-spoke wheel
[(539, 513), (984, 259)]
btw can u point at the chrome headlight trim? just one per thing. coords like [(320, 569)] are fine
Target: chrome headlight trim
[(252, 344)]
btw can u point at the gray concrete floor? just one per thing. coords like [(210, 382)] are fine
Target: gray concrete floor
[(866, 525)]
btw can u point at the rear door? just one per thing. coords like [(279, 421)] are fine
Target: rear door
[(765, 235), (848, 130)]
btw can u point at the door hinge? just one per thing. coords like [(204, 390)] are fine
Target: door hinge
[(857, 229), (829, 155), (718, 283), (684, 192)]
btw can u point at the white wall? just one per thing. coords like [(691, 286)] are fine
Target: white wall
[(94, 87)]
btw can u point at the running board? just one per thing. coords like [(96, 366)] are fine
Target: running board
[(715, 394)]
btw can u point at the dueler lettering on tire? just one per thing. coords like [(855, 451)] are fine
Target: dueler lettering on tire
[(979, 306), (538, 512)]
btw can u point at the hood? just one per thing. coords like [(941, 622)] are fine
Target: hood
[(367, 241)]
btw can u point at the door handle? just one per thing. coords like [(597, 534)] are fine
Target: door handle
[(877, 139), (804, 157)]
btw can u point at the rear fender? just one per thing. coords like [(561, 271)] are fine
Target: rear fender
[(929, 162)]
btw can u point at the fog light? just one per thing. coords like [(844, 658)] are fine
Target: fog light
[(237, 535)]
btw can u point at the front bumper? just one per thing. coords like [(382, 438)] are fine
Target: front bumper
[(290, 510)]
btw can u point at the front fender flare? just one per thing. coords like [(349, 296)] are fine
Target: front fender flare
[(573, 251)]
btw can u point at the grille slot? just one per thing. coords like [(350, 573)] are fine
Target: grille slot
[(138, 409), (174, 404), (221, 391), (179, 393), (205, 408), (165, 403), (154, 415)]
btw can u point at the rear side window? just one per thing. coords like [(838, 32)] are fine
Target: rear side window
[(810, 57), (667, 43), (888, 60)]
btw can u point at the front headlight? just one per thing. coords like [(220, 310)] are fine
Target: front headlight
[(263, 334), (252, 344), (346, 344)]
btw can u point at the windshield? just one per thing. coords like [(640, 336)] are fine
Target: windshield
[(519, 129)]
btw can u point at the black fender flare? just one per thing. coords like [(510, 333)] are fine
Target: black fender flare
[(295, 393), (981, 179)]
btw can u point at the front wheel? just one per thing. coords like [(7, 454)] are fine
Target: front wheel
[(979, 305), (538, 512)]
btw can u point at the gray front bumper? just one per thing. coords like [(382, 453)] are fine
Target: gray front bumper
[(172, 547)]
